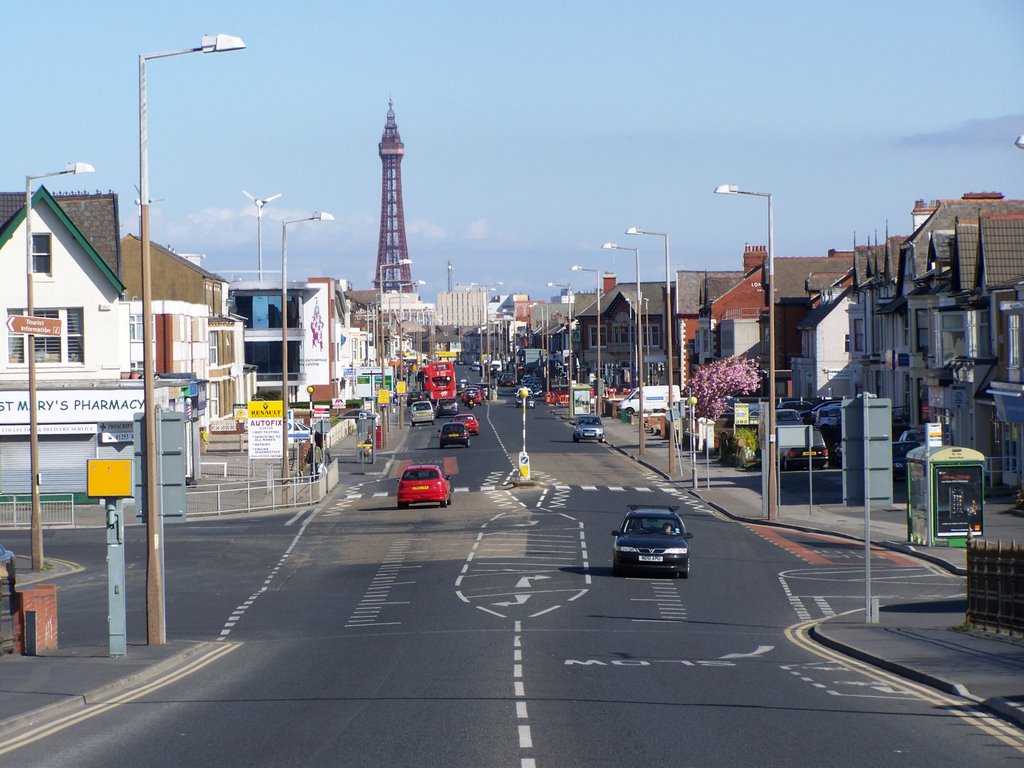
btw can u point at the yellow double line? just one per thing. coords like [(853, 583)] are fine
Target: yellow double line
[(959, 707), (88, 711)]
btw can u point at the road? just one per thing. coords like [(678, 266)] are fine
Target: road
[(492, 633)]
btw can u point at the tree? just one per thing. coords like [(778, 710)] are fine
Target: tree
[(713, 382)]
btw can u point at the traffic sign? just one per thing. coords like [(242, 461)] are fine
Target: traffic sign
[(38, 326)]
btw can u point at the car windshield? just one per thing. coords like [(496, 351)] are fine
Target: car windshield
[(421, 474), (591, 421), (651, 525)]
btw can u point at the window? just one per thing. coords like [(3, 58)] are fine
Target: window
[(982, 334), (592, 336), (135, 327), (921, 322), (858, 335), (42, 255), (1013, 341), (652, 335), (951, 336), (67, 348), (213, 399), (214, 338)]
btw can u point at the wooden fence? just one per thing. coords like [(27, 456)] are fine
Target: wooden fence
[(995, 586)]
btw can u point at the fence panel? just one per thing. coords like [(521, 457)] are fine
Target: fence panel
[(995, 586), (260, 493), (57, 511)]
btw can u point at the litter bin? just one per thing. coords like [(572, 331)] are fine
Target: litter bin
[(624, 415)]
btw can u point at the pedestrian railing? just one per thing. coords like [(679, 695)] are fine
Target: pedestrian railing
[(1001, 470), (995, 586), (57, 510), (261, 493)]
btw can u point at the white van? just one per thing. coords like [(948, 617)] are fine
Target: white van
[(655, 399)]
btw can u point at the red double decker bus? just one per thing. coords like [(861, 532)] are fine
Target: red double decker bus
[(439, 380)]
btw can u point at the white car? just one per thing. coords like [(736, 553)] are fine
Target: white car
[(421, 412), (830, 415)]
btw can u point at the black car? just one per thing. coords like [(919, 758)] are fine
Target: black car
[(651, 538), (900, 449), (454, 433), (447, 406)]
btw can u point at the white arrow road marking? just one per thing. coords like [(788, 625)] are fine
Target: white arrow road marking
[(520, 599), (761, 649), (524, 583), (526, 525)]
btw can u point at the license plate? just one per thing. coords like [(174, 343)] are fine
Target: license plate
[(649, 558), (421, 487)]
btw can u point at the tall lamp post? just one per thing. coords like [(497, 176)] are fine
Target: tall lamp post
[(156, 632), (772, 500), (639, 339), (670, 321), (568, 339), (284, 334), (600, 387), (259, 228), (29, 349), (380, 294)]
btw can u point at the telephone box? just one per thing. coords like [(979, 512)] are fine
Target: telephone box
[(945, 496)]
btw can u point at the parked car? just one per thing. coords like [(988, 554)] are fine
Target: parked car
[(421, 412), (914, 434), (651, 538), (900, 449), (447, 406), (787, 416), (588, 427), (471, 421), (424, 483), (454, 433), (800, 406), (795, 458), (828, 414)]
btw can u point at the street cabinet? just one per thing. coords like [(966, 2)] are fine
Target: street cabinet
[(945, 495)]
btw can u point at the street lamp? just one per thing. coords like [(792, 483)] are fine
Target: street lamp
[(597, 274), (380, 332), (670, 320), (572, 300), (284, 334), (259, 227), (771, 512), (639, 336), (29, 348), (156, 633)]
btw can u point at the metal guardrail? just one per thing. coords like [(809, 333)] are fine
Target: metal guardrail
[(995, 586), (254, 494), (1001, 470), (58, 510)]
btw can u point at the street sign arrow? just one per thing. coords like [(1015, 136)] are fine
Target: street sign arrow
[(520, 599), (38, 326), (524, 583), (761, 649)]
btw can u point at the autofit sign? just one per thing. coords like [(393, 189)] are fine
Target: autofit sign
[(73, 406), (266, 420), (38, 326)]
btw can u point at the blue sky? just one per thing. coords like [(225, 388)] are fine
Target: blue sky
[(534, 131)]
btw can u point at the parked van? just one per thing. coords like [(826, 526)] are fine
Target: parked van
[(655, 399)]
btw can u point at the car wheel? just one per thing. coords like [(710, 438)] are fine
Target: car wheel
[(402, 505), (467, 443), (685, 574), (616, 571), (575, 439)]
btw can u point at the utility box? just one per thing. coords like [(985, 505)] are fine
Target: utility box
[(945, 496), (867, 450), (170, 446)]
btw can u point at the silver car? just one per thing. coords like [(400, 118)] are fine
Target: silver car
[(588, 428), (421, 412)]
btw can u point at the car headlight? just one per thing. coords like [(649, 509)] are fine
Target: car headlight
[(623, 548), (675, 551)]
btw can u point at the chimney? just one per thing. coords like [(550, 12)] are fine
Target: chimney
[(608, 281), (922, 211), (754, 256)]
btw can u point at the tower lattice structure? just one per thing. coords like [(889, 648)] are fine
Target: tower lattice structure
[(391, 274)]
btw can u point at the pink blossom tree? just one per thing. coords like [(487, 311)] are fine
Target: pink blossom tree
[(713, 382)]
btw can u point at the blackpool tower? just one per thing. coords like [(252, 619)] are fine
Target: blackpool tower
[(392, 273)]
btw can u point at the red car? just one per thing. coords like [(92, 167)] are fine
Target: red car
[(471, 421), (472, 396), (422, 483)]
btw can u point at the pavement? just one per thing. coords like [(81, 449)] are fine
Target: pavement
[(921, 641)]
